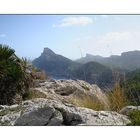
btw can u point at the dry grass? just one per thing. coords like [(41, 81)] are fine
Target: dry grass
[(33, 94), (117, 98), (39, 74), (88, 102)]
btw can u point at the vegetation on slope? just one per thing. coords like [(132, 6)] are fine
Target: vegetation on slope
[(135, 118), (95, 73), (132, 87), (14, 79), (16, 76)]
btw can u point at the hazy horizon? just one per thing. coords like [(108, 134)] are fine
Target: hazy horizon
[(89, 54), (70, 35)]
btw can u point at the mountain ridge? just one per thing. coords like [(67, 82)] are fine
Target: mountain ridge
[(127, 60)]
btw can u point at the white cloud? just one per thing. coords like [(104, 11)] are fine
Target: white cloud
[(70, 21), (113, 37), (2, 35), (108, 38), (109, 43)]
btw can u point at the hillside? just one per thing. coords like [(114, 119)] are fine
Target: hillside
[(54, 64), (96, 73), (132, 86)]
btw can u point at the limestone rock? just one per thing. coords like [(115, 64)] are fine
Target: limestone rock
[(55, 108), (9, 114), (40, 117), (71, 89), (46, 112), (127, 109)]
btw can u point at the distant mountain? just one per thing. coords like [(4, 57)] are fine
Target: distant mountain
[(54, 64), (94, 72), (61, 67), (89, 58), (128, 60)]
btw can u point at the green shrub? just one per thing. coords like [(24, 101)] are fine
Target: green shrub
[(135, 118), (132, 87), (15, 81)]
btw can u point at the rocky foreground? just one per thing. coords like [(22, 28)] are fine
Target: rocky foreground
[(55, 108)]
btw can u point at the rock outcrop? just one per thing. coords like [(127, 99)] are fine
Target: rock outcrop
[(53, 107), (126, 110), (65, 90), (46, 112)]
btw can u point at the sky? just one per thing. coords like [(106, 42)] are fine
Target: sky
[(70, 35)]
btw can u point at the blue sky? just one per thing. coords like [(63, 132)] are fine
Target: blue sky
[(70, 35)]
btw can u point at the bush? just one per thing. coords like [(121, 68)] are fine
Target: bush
[(132, 87), (14, 78), (135, 118)]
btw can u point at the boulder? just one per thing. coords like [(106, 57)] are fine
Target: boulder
[(40, 117)]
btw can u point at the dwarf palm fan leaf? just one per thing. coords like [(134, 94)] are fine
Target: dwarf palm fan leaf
[(13, 76), (7, 58), (6, 53)]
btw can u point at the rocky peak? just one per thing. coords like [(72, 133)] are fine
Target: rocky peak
[(131, 53), (48, 51)]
